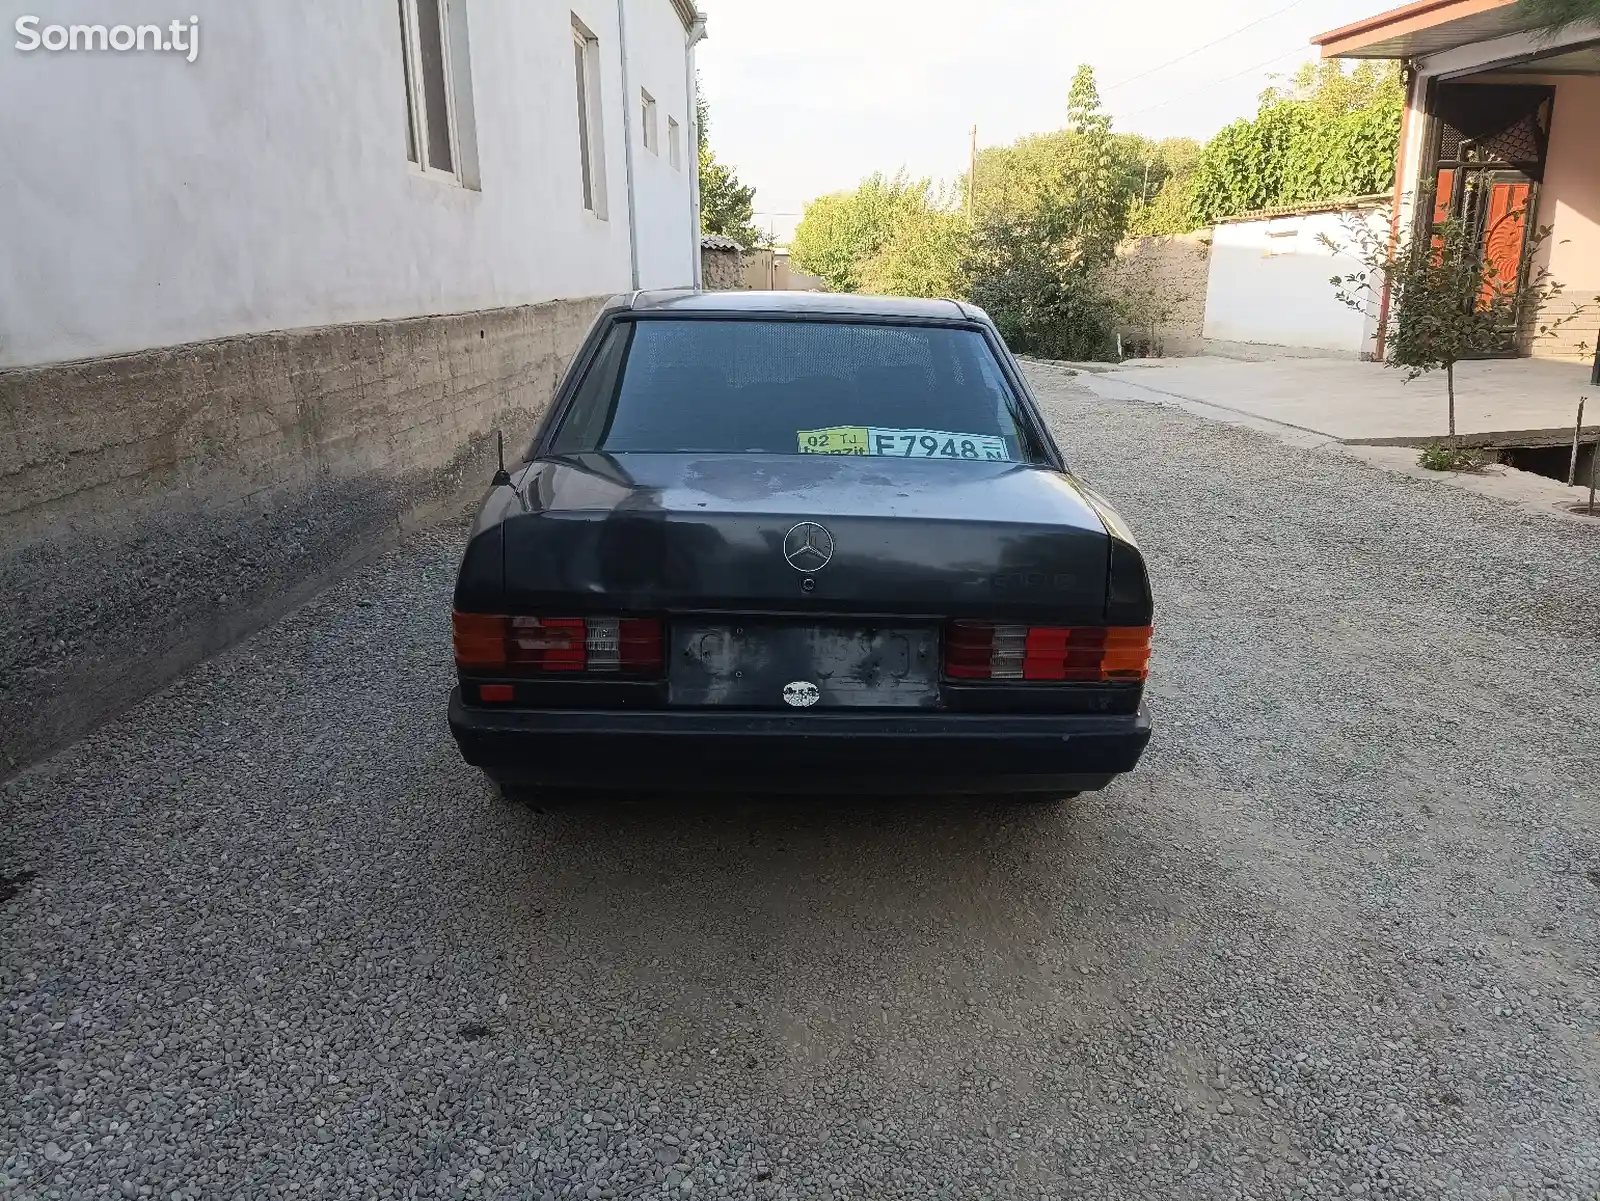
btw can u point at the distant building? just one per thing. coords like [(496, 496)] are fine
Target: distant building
[(1499, 127), (771, 270)]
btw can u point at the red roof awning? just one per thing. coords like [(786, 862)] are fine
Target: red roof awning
[(1424, 28)]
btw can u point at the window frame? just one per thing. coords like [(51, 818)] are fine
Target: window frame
[(674, 143), (416, 93), (413, 148), (1032, 431), (649, 122), (591, 127)]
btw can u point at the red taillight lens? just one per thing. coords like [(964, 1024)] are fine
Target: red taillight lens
[(639, 642), (479, 639), (982, 650), (547, 643), (542, 645), (969, 650)]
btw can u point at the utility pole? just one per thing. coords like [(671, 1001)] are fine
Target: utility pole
[(972, 172)]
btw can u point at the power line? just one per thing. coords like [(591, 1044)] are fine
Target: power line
[(1208, 86), (1199, 49)]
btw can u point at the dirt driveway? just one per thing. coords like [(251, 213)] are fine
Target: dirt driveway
[(1338, 937)]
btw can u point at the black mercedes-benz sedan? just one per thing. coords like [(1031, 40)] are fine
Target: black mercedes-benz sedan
[(795, 542)]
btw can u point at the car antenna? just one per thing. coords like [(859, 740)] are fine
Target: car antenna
[(502, 478)]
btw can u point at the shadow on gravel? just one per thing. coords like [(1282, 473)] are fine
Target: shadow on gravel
[(814, 919), (11, 885)]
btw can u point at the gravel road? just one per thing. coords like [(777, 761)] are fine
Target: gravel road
[(1339, 936)]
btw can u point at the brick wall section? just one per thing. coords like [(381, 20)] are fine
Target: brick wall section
[(155, 507), (1575, 338)]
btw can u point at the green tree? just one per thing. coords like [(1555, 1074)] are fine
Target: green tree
[(1327, 135), (1036, 258), (1041, 304), (727, 207), (1089, 204), (839, 233), (1555, 15), (1163, 203), (924, 252)]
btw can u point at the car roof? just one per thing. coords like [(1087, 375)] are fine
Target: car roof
[(689, 302)]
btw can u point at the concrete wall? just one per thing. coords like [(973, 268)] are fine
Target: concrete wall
[(265, 185), (1169, 274), (722, 270), (774, 271), (1268, 283), (1569, 202), (157, 506)]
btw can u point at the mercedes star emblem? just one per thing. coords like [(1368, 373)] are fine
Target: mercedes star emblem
[(808, 547)]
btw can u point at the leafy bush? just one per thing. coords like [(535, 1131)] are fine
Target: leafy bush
[(1038, 272), (1555, 15), (1036, 245), (923, 254), (1329, 135), (1042, 305), (1166, 194), (1439, 457), (840, 232)]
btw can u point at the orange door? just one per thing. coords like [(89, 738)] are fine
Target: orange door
[(1503, 237), (1443, 200)]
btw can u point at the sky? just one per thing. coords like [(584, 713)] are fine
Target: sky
[(809, 96)]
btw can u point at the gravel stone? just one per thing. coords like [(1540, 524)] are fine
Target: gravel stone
[(271, 938)]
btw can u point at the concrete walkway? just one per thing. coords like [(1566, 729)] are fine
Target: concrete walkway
[(1369, 412), (1368, 403)]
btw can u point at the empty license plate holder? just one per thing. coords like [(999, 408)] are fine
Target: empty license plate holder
[(771, 665)]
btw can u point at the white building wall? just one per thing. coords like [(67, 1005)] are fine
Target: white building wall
[(669, 235), (149, 201), (1269, 283)]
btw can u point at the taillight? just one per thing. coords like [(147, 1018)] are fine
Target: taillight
[(983, 650), (547, 645)]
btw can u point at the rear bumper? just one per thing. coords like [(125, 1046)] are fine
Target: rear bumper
[(876, 752)]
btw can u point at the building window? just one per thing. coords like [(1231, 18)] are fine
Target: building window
[(433, 48), (405, 70), (591, 135), (674, 143), (647, 116)]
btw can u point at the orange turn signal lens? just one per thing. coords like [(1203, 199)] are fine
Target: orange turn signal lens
[(1127, 653)]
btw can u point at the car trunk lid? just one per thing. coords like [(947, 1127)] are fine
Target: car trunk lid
[(717, 534)]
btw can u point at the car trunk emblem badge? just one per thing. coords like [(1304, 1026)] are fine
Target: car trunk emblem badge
[(808, 547), (802, 694)]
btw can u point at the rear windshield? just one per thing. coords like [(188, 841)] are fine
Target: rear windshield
[(795, 387)]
